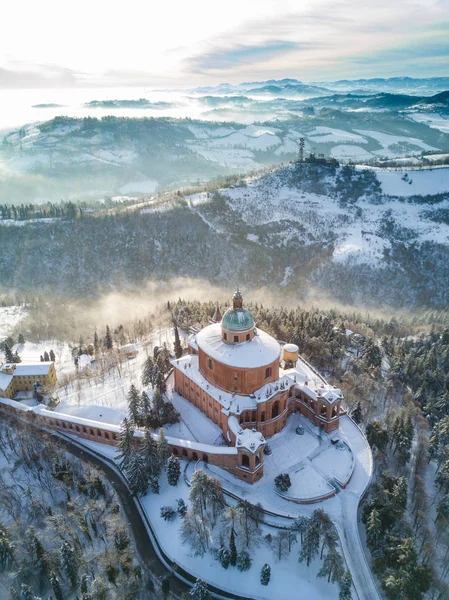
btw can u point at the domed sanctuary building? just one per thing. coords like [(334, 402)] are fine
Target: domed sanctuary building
[(248, 384)]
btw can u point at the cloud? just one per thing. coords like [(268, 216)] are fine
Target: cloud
[(228, 58), (24, 75)]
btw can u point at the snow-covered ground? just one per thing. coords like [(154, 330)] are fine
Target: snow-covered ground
[(32, 351), (10, 316), (287, 576), (413, 182), (432, 120), (194, 424), (359, 238)]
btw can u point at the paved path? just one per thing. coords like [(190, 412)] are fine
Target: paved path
[(349, 499)]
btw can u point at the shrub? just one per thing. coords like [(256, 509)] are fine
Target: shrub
[(265, 574), (168, 513), (182, 507), (282, 482), (244, 561)]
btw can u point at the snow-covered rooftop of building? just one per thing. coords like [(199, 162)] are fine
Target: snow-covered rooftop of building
[(41, 368), (250, 439), (302, 375), (290, 348), (261, 350), (5, 380)]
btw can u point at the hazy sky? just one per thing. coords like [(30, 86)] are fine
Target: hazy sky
[(184, 43)]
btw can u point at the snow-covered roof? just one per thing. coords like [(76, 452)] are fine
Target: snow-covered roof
[(128, 348), (41, 409), (15, 404), (261, 350), (5, 380), (40, 368), (250, 439), (290, 348)]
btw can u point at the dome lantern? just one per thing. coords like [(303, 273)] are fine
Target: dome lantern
[(237, 323)]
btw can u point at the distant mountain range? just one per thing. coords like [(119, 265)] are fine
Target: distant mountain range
[(402, 85)]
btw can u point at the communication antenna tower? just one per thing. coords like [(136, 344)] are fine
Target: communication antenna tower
[(301, 149)]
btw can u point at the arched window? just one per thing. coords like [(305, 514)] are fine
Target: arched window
[(236, 339), (205, 458), (184, 452), (175, 451), (275, 410), (267, 372), (257, 460), (245, 461), (210, 364), (247, 337), (225, 336), (194, 456)]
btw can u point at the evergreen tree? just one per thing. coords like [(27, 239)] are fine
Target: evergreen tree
[(52, 356), (173, 470), (377, 435), (137, 474), (134, 406), (154, 485), (333, 566), (46, 357), (96, 343), (149, 452), (182, 508), (69, 563), (357, 413), (301, 525), (148, 373), (21, 339), (108, 339), (178, 347), (57, 590), (160, 383), (224, 557), (145, 409), (374, 528), (200, 591), (125, 447), (346, 587), (6, 549), (265, 574), (311, 542), (9, 356), (244, 561), (16, 357), (162, 448), (84, 588), (232, 548)]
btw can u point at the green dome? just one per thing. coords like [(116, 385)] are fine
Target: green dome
[(237, 319)]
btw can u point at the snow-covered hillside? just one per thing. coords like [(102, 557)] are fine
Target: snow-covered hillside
[(386, 212), (92, 158), (352, 232)]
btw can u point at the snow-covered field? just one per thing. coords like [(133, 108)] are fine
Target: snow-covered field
[(432, 120), (10, 316), (413, 182)]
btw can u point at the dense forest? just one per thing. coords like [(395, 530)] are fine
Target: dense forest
[(62, 530), (232, 233)]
